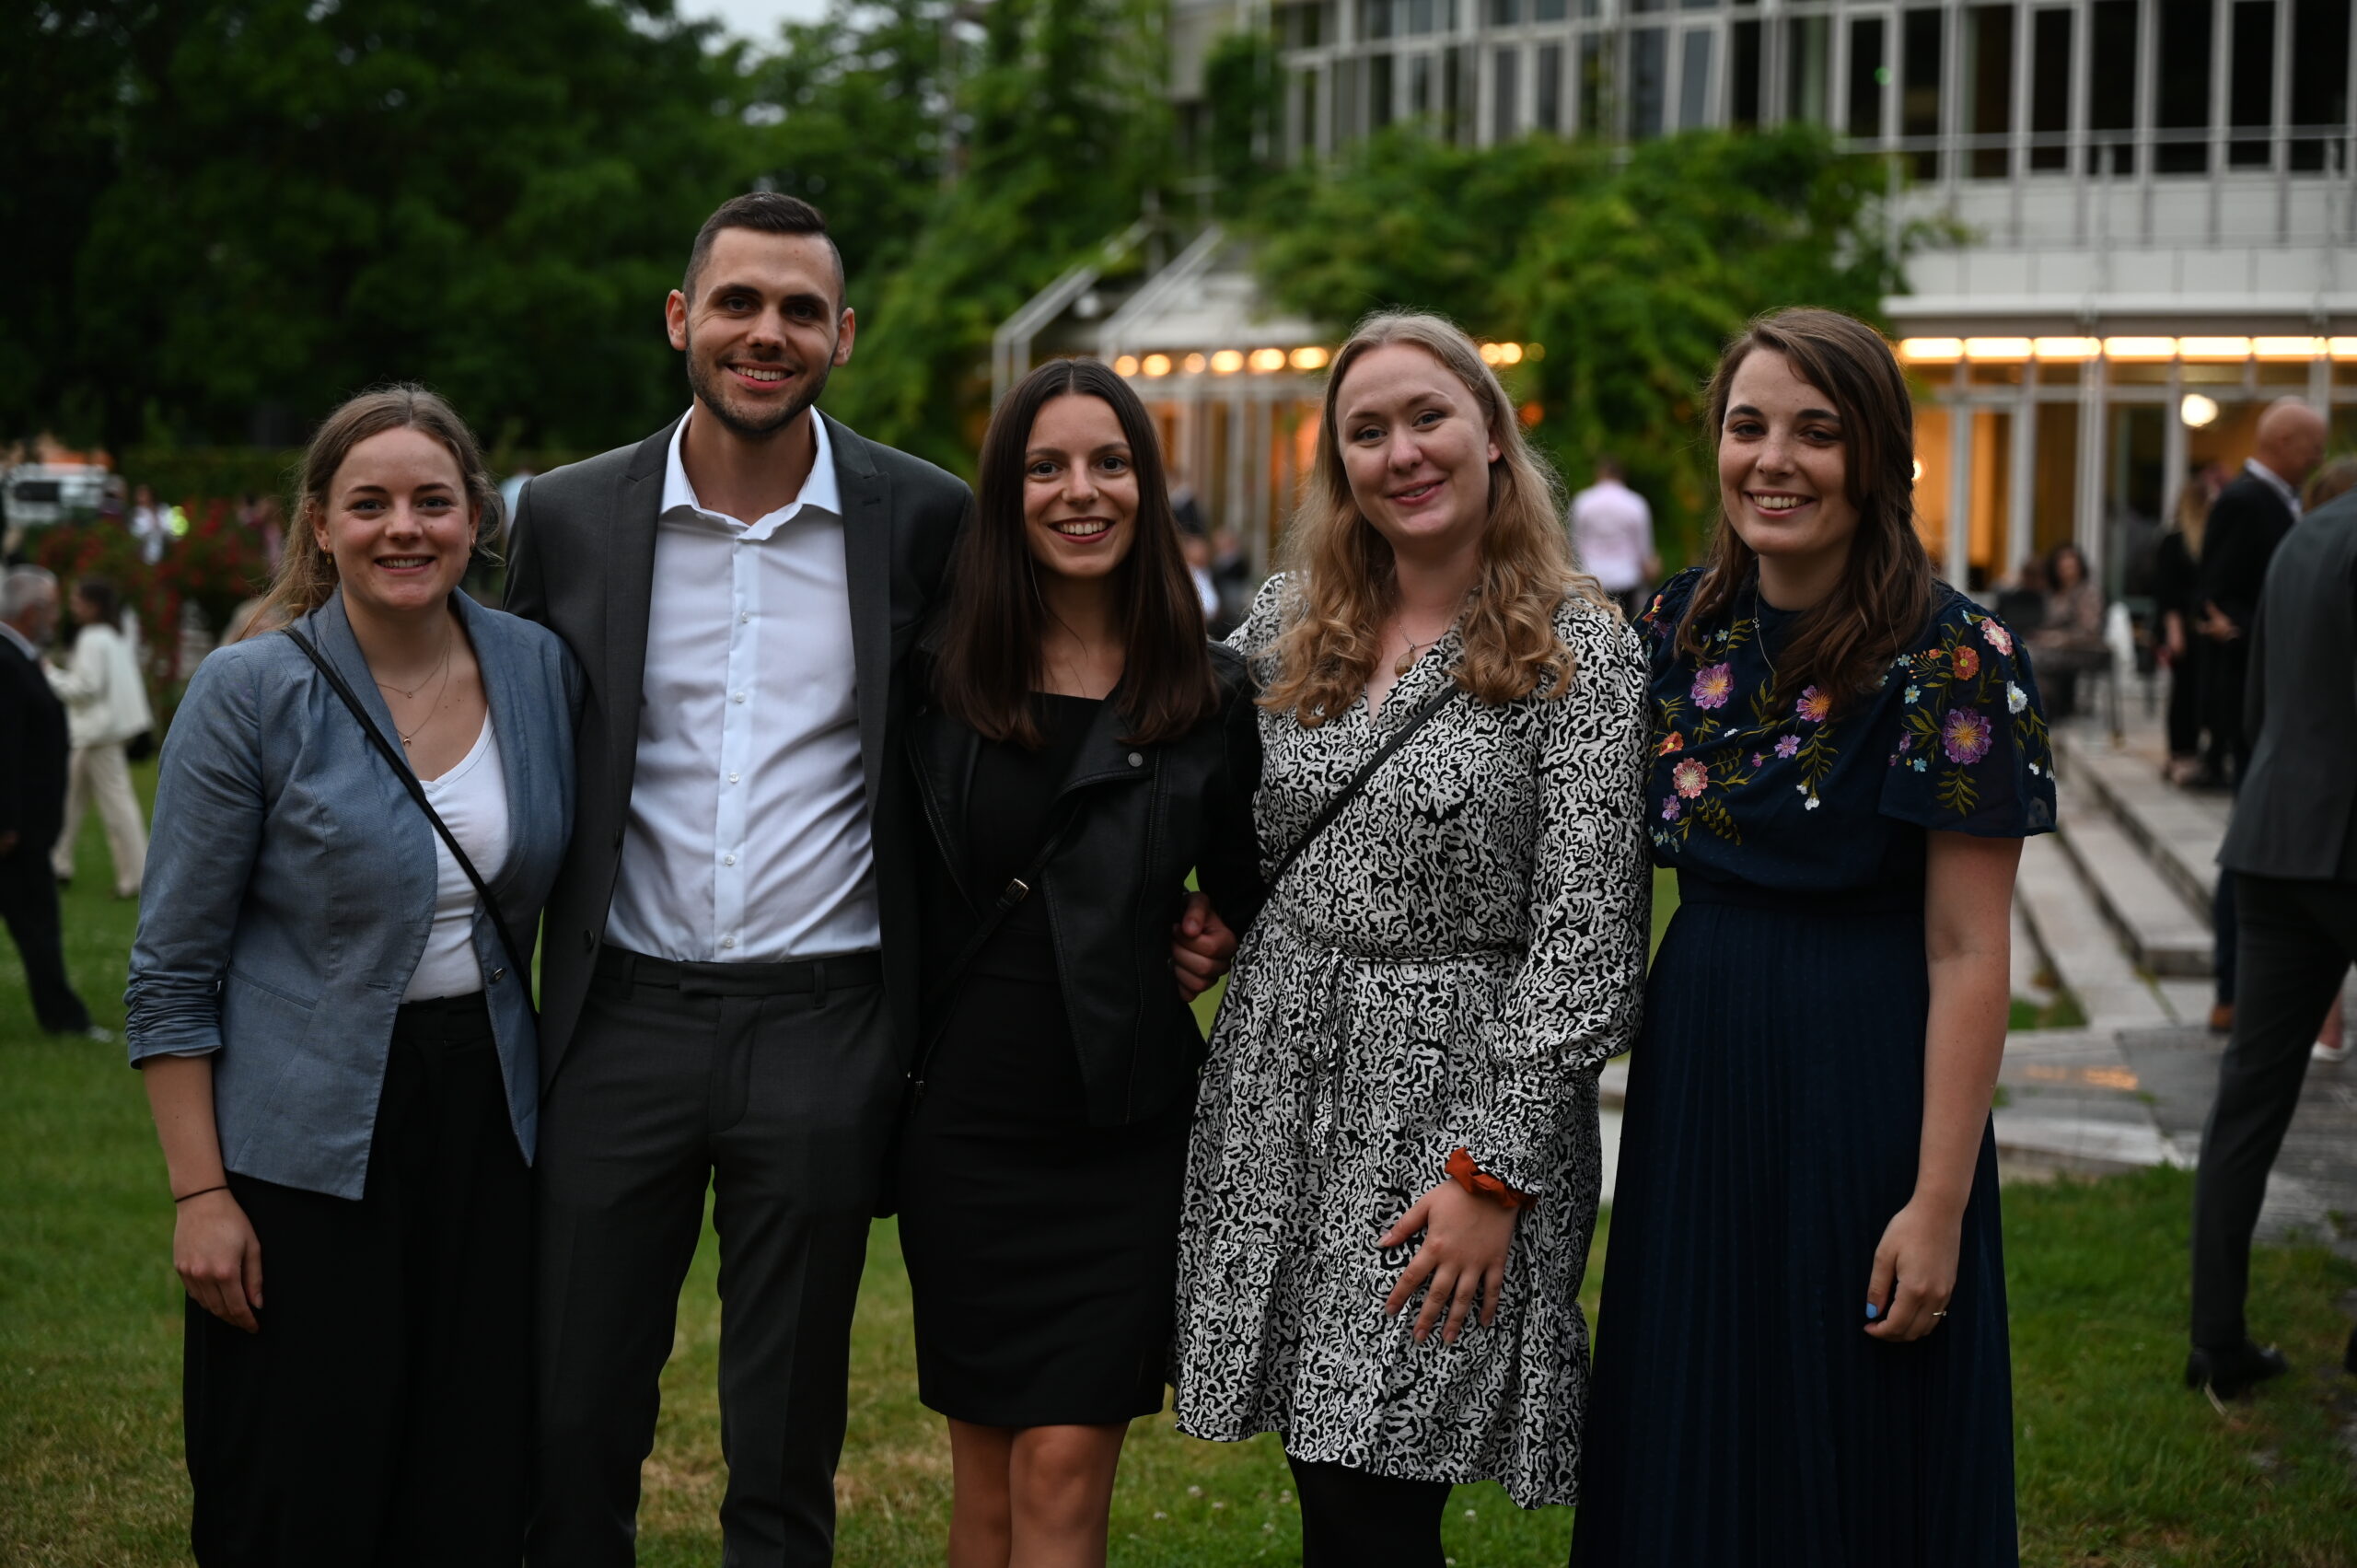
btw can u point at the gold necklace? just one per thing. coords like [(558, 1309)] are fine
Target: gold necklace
[(443, 666)]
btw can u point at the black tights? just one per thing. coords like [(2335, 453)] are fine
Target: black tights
[(1352, 1519)]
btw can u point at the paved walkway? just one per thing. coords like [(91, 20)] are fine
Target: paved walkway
[(2134, 1088)]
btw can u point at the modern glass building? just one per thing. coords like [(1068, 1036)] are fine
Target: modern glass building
[(2161, 196)]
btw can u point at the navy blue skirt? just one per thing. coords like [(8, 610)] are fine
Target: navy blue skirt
[(1739, 1414)]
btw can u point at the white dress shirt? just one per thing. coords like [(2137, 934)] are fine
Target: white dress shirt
[(471, 800), (747, 837), (1612, 530)]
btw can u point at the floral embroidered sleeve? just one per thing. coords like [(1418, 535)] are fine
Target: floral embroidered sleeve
[(1970, 752)]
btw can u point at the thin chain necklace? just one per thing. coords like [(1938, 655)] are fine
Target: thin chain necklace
[(433, 712), (440, 668)]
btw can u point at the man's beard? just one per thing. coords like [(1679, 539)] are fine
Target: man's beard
[(709, 391)]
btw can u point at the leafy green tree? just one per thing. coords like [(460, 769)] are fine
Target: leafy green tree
[(307, 196), (864, 98), (1244, 88), (1631, 268), (1065, 132)]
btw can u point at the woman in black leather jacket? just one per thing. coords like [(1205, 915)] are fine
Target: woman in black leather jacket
[(1083, 751)]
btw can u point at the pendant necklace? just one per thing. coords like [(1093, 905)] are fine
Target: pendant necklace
[(411, 695)]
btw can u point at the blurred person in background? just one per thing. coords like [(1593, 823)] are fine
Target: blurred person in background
[(2247, 521), (1612, 535), (2176, 593), (2330, 482), (334, 1021), (150, 524), (106, 709), (33, 739), (2069, 642), (2292, 849)]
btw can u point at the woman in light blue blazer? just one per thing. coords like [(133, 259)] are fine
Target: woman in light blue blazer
[(337, 1033)]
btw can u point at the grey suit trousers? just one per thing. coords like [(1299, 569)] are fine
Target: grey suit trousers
[(2297, 940), (784, 1105)]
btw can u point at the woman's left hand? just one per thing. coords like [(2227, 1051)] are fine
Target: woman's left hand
[(1464, 1258), (1918, 1252)]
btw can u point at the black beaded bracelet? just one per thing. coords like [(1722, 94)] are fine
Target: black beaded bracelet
[(201, 1192)]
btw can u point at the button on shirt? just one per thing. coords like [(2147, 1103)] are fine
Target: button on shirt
[(748, 834)]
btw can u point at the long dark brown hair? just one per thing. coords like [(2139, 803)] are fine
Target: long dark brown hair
[(986, 655), (306, 577), (1841, 644)]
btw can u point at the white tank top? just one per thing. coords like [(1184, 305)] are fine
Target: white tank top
[(473, 798)]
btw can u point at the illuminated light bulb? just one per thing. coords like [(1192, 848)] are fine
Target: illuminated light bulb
[(1931, 351), (1126, 366), (1510, 354), (1919, 470), (2066, 348), (2213, 348), (1267, 359), (1996, 348), (1192, 364), (1155, 364), (1489, 353), (2139, 348), (1227, 361), (2288, 348), (1309, 357), (2198, 410)]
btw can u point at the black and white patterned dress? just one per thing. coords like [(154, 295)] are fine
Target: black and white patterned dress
[(1446, 967)]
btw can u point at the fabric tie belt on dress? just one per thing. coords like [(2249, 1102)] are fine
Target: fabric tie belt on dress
[(1694, 890)]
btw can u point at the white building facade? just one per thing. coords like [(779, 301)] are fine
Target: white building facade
[(2161, 196)]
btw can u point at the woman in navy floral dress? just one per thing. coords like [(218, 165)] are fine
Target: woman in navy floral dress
[(1802, 1348)]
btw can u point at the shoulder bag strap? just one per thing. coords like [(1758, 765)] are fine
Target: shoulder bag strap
[(1018, 888), (408, 776), (1358, 781)]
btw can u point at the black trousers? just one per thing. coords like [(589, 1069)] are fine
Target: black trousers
[(1353, 1519), (781, 1102), (382, 1415), (29, 905), (2298, 939)]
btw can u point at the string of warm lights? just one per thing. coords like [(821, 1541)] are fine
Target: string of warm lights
[(2015, 351), (1263, 360)]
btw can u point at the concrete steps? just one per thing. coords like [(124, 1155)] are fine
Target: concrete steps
[(2178, 832), (2079, 944), (2144, 906)]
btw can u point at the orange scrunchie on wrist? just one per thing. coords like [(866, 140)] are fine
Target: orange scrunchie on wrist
[(1482, 1184)]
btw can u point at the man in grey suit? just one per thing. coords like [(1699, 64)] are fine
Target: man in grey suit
[(2293, 849), (731, 973)]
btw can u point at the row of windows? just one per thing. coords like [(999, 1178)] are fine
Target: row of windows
[(2177, 87)]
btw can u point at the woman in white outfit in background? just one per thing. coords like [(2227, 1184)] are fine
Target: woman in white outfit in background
[(105, 707)]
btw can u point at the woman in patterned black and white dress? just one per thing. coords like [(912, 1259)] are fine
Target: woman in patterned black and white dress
[(1393, 1169)]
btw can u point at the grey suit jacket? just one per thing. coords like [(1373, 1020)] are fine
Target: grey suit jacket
[(290, 887), (582, 561), (2292, 813)]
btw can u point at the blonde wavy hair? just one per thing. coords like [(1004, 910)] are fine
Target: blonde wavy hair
[(1340, 582)]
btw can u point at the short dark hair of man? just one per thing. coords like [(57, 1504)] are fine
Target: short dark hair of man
[(769, 212)]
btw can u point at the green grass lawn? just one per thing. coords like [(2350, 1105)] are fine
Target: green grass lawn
[(2119, 1465)]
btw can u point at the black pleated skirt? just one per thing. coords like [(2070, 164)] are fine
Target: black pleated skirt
[(1042, 1252), (1739, 1414)]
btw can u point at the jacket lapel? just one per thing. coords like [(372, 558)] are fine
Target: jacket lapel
[(867, 568), (330, 631), (630, 593), (509, 704), (1104, 757)]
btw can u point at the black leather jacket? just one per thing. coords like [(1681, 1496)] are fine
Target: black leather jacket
[(1145, 816)]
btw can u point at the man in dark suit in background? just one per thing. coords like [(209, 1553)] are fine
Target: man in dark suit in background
[(2292, 850), (731, 977), (2247, 522), (32, 796)]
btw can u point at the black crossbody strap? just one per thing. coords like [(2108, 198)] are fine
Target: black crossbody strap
[(408, 776), (1358, 781), (1018, 888)]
